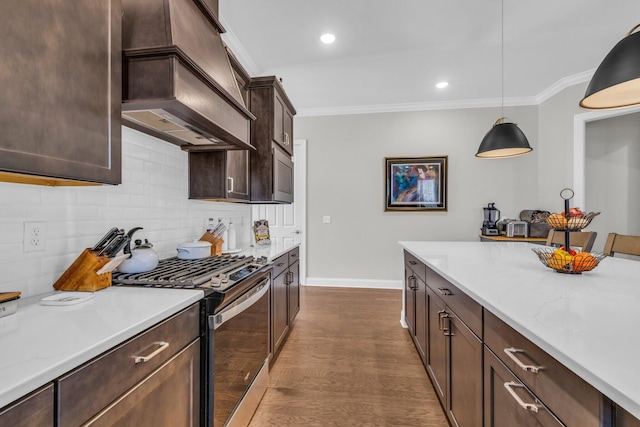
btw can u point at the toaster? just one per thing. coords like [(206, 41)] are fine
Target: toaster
[(517, 229)]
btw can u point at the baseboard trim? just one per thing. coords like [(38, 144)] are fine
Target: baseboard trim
[(353, 283)]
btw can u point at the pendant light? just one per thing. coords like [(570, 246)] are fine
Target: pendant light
[(616, 82), (505, 139)]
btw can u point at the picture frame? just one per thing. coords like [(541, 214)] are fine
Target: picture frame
[(416, 184)]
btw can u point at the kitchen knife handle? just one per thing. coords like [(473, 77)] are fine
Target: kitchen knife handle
[(105, 239), (143, 359)]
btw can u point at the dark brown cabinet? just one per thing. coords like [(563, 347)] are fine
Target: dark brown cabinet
[(454, 359), (437, 348), (569, 397), (285, 298), (219, 175), (153, 379), (34, 410), (416, 310), (508, 402), (60, 105), (485, 373), (272, 136), (222, 175)]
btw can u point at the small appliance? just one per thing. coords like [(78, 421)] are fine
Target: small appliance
[(491, 217), (517, 229)]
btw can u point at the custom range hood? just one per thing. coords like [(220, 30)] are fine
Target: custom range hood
[(178, 84)]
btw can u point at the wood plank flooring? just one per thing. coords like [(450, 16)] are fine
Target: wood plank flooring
[(349, 362)]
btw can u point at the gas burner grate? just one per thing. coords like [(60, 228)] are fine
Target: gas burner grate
[(182, 273)]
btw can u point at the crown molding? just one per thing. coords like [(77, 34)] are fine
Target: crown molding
[(238, 50), (417, 106), (564, 83)]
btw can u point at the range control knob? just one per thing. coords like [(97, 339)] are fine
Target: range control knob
[(223, 278)]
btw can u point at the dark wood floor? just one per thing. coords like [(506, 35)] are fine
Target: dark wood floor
[(348, 362)]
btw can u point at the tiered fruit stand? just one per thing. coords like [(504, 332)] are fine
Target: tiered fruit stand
[(566, 259)]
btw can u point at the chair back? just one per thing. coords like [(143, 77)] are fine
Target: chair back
[(582, 239), (622, 244)]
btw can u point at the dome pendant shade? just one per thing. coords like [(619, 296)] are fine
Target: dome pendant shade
[(616, 82), (503, 140)]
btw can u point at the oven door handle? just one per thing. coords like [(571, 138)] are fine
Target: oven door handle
[(217, 320)]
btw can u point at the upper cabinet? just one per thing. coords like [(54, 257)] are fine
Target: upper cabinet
[(222, 175), (60, 102), (272, 136), (178, 82), (270, 103)]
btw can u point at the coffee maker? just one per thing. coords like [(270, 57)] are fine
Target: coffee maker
[(491, 217)]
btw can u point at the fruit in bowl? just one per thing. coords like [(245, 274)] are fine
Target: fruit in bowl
[(560, 259), (557, 221), (574, 213), (571, 261)]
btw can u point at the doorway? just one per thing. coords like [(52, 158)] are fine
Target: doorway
[(287, 222)]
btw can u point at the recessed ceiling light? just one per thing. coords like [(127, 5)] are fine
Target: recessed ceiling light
[(442, 85), (327, 38)]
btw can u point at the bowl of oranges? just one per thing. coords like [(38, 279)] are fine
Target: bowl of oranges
[(568, 261)]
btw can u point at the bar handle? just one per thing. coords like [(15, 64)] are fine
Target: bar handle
[(511, 352), (445, 291), (143, 359), (533, 407), (230, 179)]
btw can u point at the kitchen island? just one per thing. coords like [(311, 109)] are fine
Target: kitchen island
[(587, 323)]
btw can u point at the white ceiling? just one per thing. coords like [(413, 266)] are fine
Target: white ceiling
[(389, 55)]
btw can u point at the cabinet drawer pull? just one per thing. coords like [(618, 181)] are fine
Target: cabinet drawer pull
[(412, 262), (511, 352), (142, 359), (412, 283), (442, 314), (533, 407), (230, 184), (280, 264), (445, 291)]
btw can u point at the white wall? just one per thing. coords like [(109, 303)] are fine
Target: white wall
[(346, 180), (612, 181), (555, 154), (153, 195)]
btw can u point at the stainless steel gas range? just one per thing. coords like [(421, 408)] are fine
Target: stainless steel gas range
[(234, 328)]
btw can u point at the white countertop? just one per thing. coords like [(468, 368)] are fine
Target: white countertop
[(274, 250), (40, 343), (588, 322)]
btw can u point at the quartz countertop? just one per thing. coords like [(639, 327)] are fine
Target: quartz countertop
[(588, 322), (277, 247), (40, 343)]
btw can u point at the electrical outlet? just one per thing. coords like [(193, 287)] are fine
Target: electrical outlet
[(34, 236), (326, 219)]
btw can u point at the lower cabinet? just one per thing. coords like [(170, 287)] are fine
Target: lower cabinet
[(152, 379), (487, 374), (34, 410), (285, 299), (416, 300), (454, 361), (508, 402), (168, 397)]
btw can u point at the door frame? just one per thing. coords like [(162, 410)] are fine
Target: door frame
[(300, 201), (579, 148)]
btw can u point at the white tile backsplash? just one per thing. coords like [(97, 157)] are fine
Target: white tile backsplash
[(153, 195)]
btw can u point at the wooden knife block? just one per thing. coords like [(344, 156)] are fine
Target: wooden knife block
[(216, 243), (81, 275)]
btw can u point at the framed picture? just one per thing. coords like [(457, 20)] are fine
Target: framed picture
[(416, 183)]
